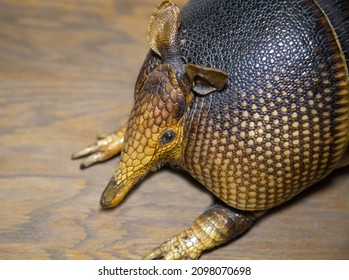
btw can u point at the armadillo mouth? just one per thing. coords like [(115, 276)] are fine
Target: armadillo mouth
[(114, 193)]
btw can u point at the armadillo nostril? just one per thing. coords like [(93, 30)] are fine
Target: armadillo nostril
[(108, 194)]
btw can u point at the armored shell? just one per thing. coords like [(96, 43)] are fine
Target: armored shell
[(281, 122)]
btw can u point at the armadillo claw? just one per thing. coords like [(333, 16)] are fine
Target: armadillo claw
[(214, 227), (104, 148), (189, 244), (179, 247)]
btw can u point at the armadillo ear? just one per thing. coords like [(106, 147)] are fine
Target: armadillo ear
[(162, 33), (205, 80)]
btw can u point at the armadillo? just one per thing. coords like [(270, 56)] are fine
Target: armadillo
[(251, 98)]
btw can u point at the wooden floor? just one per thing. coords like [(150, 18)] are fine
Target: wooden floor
[(67, 71)]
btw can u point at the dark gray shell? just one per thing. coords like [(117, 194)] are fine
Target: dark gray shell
[(281, 122)]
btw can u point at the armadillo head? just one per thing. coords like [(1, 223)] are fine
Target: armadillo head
[(153, 135), (155, 129)]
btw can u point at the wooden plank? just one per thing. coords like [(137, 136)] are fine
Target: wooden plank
[(67, 72)]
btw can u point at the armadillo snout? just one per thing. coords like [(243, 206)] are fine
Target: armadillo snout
[(153, 135)]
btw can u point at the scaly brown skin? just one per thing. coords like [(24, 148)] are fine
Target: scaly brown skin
[(239, 163), (214, 227)]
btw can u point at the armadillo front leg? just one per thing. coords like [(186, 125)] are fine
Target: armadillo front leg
[(214, 227), (104, 148)]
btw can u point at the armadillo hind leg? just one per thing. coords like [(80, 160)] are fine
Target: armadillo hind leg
[(104, 148), (214, 227)]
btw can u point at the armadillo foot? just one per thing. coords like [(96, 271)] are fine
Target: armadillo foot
[(104, 148), (214, 227)]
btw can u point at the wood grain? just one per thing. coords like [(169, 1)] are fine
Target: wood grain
[(67, 72)]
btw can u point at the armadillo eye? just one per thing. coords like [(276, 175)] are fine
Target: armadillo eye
[(167, 136)]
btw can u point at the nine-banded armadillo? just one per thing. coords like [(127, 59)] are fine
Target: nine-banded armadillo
[(250, 97)]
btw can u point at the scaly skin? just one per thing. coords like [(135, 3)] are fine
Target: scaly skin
[(214, 227), (255, 107)]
